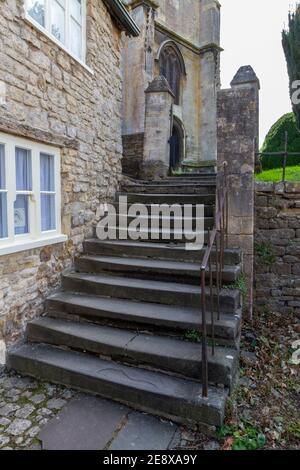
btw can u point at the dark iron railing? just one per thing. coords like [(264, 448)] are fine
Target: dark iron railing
[(214, 256), (284, 154)]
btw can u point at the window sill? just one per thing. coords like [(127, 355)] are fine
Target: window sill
[(31, 244), (42, 30)]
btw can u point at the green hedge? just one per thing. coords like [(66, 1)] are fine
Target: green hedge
[(275, 142)]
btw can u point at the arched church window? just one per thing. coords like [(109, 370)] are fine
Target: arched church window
[(170, 68)]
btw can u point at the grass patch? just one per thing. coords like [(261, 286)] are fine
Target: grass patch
[(275, 175)]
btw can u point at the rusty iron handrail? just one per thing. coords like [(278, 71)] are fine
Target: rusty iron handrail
[(218, 239)]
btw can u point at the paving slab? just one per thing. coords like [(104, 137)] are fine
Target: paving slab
[(144, 432), (85, 423)]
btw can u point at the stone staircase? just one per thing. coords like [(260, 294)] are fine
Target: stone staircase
[(119, 325)]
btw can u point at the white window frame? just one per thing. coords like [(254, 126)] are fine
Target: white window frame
[(46, 30), (36, 237)]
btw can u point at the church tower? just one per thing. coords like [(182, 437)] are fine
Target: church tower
[(179, 40)]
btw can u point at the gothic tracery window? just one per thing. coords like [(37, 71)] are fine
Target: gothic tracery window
[(170, 68)]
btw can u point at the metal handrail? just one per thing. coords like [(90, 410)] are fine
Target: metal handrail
[(218, 238)]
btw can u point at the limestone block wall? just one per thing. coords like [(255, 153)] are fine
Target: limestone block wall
[(277, 248), (47, 95), (133, 149)]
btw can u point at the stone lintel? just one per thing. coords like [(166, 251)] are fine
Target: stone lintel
[(39, 135)]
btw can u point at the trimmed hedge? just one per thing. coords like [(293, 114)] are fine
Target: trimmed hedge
[(275, 139)]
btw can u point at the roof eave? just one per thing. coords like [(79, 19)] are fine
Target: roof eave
[(122, 16)]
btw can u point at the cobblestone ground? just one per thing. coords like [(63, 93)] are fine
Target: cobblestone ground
[(25, 407)]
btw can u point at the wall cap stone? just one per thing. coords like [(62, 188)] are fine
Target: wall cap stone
[(245, 75), (277, 188)]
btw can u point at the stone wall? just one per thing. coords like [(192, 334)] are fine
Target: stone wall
[(133, 149), (277, 248), (48, 95)]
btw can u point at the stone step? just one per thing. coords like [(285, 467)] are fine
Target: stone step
[(142, 290), (172, 397), (173, 221), (209, 209), (168, 319), (157, 352), (186, 179), (151, 268), (158, 235), (207, 187), (162, 251), (139, 198)]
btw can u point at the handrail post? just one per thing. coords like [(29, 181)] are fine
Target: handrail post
[(285, 156), (204, 339)]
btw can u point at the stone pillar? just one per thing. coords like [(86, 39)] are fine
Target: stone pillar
[(209, 77), (208, 110), (137, 65), (237, 129), (158, 125)]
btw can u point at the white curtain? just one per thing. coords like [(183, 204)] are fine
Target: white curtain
[(23, 170), (24, 183), (3, 196), (47, 185)]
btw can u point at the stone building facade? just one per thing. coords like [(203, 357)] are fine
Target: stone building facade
[(57, 97), (179, 40)]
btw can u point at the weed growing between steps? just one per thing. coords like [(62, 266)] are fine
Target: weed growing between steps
[(193, 336), (241, 285)]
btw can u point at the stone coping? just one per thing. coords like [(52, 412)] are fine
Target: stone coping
[(277, 188)]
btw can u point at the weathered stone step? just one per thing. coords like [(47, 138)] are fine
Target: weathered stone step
[(169, 293), (158, 352), (151, 268), (186, 179), (209, 209), (155, 251), (139, 198), (159, 235), (148, 316), (163, 221), (157, 393), (179, 187)]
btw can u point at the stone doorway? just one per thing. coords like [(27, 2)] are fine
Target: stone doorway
[(176, 145)]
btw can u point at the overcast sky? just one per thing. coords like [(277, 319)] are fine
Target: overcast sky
[(251, 35)]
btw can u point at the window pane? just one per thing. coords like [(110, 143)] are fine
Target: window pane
[(47, 172), (23, 170), (76, 38), (48, 212), (76, 11), (58, 20), (3, 215), (36, 9), (21, 214), (2, 168)]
